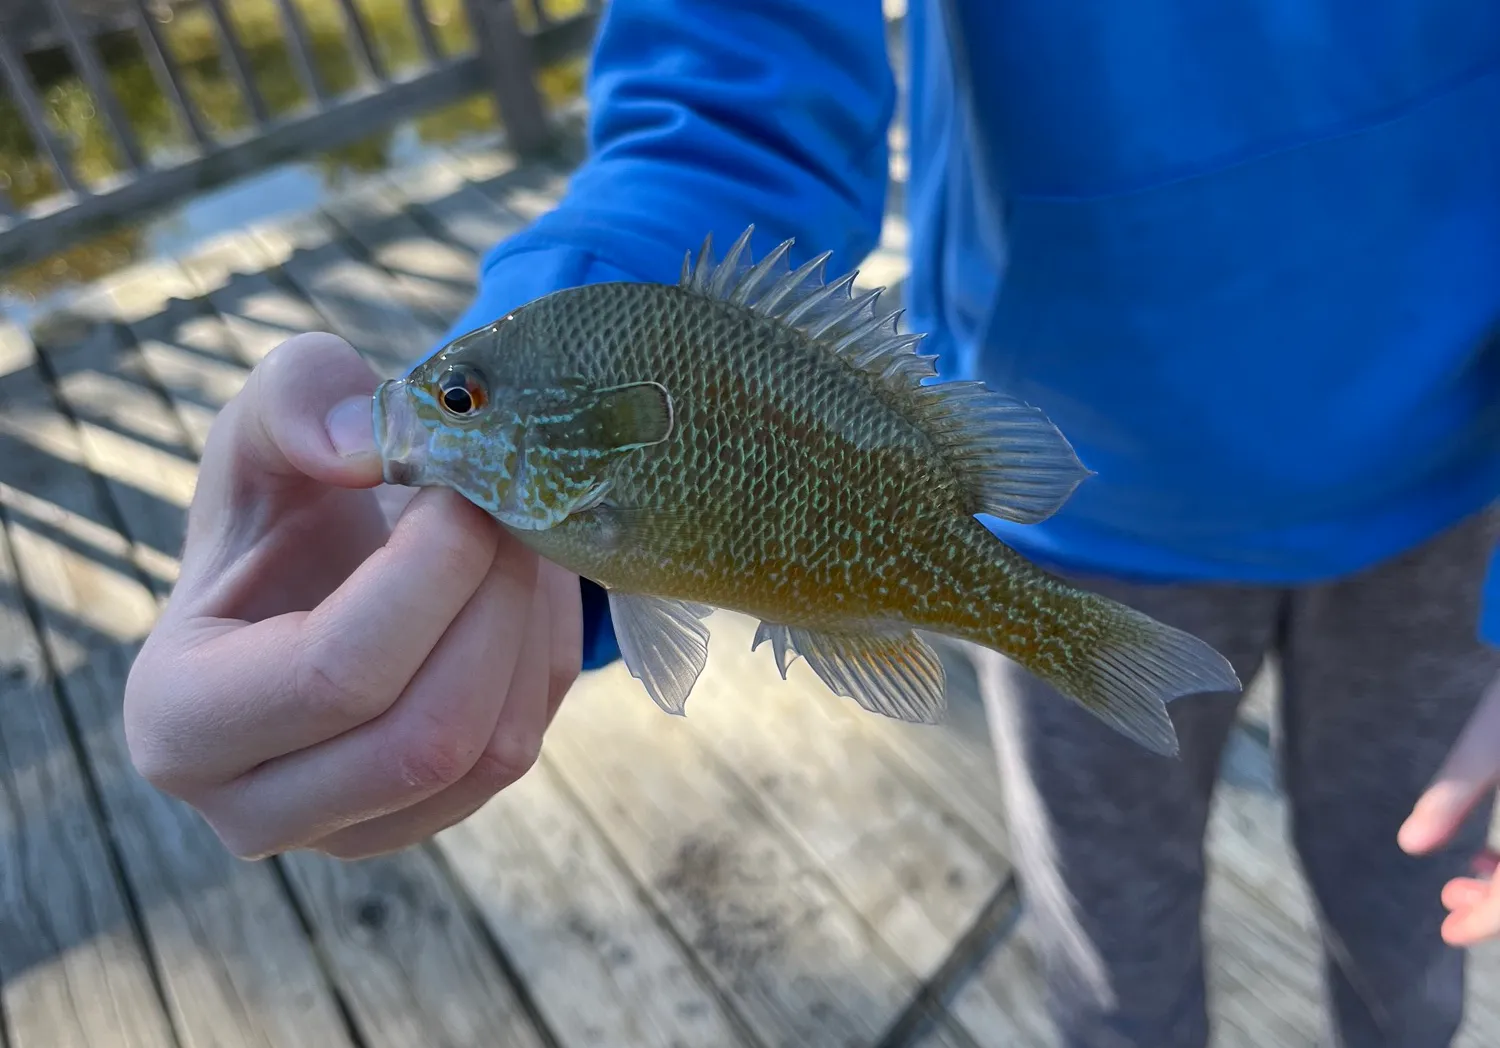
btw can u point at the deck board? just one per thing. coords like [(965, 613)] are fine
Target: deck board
[(760, 912), (393, 929), (599, 961), (73, 971)]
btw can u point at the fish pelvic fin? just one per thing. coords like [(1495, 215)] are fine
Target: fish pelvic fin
[(1012, 461), (828, 313), (897, 676), (1124, 667), (663, 643)]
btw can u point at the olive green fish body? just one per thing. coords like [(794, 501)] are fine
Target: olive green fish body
[(763, 442)]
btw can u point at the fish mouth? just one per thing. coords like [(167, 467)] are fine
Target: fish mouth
[(399, 433)]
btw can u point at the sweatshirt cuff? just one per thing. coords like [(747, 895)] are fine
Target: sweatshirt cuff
[(1489, 603)]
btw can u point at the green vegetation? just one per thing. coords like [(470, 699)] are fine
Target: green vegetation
[(193, 40)]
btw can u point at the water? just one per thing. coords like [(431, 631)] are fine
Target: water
[(284, 189)]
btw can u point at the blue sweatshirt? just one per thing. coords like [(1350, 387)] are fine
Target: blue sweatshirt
[(1246, 256)]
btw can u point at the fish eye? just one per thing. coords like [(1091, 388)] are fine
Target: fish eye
[(462, 391)]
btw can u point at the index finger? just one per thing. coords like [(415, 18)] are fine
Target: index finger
[(1471, 768), (265, 689)]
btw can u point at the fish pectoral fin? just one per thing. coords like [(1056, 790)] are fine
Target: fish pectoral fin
[(663, 642), (1013, 462), (898, 676)]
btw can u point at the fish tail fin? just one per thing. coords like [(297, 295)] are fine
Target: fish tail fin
[(1116, 662), (1122, 666)]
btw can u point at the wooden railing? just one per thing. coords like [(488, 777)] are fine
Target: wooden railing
[(502, 58)]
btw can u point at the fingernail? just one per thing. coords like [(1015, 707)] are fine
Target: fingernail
[(351, 428)]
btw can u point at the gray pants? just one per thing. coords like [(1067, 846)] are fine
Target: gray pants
[(1380, 671)]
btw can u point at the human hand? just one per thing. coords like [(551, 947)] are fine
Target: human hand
[(330, 672), (1471, 768)]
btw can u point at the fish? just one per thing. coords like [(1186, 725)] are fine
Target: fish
[(762, 440)]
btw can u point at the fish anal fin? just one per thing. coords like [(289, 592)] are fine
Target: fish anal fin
[(1012, 461), (663, 643), (897, 676), (781, 644)]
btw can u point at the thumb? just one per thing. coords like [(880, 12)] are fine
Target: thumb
[(303, 414), (300, 423), (1471, 768)]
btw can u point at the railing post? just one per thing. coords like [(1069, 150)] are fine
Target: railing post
[(505, 54)]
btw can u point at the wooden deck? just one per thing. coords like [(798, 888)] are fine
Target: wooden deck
[(777, 869)]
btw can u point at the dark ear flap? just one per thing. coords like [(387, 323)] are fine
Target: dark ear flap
[(619, 418)]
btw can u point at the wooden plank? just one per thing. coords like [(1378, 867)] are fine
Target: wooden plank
[(430, 277), (257, 311), (780, 942), (905, 861), (465, 216), (362, 303), (597, 961), (73, 560), (410, 965), (128, 433), (72, 969), (955, 759), (528, 191), (235, 963)]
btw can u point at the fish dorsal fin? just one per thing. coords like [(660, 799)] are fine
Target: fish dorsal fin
[(1012, 461), (828, 313)]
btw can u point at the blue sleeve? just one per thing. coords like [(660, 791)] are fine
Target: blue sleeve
[(707, 116), (1489, 606)]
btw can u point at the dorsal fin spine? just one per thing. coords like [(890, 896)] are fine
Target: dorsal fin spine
[(863, 331), (828, 313), (759, 272), (844, 314)]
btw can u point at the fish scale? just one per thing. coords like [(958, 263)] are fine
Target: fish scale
[(756, 439)]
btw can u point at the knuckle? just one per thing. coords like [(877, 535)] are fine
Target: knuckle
[(504, 761), (147, 740), (336, 685), (436, 761)]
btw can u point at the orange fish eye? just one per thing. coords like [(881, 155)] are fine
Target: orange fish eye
[(462, 391)]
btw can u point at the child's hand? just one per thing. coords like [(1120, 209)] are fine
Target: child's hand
[(1472, 768), (321, 679)]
